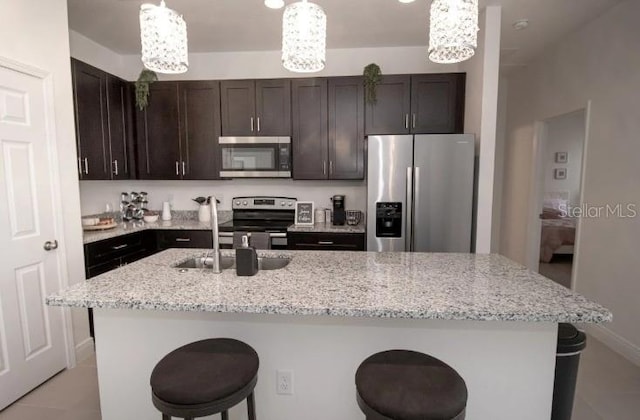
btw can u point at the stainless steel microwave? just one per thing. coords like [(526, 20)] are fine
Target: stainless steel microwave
[(255, 157)]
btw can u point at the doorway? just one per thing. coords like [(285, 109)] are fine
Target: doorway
[(560, 151)]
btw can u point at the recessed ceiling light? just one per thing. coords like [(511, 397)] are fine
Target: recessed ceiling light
[(406, 1), (274, 4), (521, 24)]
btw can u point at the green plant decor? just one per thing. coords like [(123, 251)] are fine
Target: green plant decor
[(372, 77), (142, 87)]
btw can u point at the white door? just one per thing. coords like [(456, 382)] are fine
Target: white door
[(32, 347)]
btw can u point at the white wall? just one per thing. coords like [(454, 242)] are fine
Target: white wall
[(35, 33), (85, 49), (481, 118), (598, 63), (95, 194), (565, 134)]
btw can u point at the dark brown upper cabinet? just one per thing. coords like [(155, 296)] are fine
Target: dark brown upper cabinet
[(390, 113), (120, 128), (103, 123), (346, 128), (200, 123), (178, 131), (419, 104), (309, 128), (328, 128), (437, 103), (256, 108)]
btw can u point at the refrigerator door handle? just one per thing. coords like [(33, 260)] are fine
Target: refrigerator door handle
[(408, 231), (416, 198)]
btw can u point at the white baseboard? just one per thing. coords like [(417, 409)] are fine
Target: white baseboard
[(84, 349), (615, 342)]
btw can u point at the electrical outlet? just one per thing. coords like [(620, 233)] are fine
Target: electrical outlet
[(284, 382)]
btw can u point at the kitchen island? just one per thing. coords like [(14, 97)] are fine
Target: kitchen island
[(492, 320)]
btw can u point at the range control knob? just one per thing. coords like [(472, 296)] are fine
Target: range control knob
[(282, 203), (290, 204), (238, 203), (244, 203)]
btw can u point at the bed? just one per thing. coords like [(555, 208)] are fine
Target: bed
[(558, 231)]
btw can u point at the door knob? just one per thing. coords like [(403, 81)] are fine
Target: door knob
[(50, 245)]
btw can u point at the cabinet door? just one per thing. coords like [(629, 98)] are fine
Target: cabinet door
[(326, 241), (159, 134), (184, 239), (238, 101), (390, 114), (309, 127), (118, 128), (437, 103), (200, 113), (346, 128), (273, 107), (89, 100)]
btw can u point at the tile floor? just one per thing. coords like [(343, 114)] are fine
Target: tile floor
[(608, 389)]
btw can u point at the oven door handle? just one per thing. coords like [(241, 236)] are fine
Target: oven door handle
[(271, 234)]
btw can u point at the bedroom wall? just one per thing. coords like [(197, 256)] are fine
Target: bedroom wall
[(565, 134), (597, 63)]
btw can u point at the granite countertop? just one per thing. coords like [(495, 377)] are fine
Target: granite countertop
[(351, 284), (327, 227), (186, 223)]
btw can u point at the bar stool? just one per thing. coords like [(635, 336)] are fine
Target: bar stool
[(407, 385), (204, 378)]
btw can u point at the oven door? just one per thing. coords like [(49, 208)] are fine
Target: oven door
[(255, 157), (278, 240)]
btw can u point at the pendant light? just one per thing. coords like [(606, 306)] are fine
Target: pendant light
[(163, 34), (304, 34), (453, 30)]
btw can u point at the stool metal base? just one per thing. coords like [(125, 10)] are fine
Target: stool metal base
[(189, 412)]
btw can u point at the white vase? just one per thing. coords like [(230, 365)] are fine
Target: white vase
[(204, 213)]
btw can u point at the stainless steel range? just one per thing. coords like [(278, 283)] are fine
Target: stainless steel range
[(260, 214)]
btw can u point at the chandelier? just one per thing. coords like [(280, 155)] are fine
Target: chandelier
[(163, 34), (453, 32), (304, 33)]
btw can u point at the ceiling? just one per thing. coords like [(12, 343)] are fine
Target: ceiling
[(247, 25)]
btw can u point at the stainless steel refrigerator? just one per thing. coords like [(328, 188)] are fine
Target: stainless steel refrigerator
[(420, 192)]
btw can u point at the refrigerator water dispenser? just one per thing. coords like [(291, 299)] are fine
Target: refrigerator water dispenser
[(389, 220)]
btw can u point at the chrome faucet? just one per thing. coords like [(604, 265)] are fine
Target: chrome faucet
[(216, 239)]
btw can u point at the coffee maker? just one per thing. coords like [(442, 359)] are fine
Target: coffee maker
[(339, 214)]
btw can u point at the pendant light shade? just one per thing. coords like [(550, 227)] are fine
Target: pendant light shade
[(304, 34), (453, 30), (163, 34)]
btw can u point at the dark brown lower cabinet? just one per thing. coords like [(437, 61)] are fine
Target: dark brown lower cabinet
[(184, 239), (326, 241)]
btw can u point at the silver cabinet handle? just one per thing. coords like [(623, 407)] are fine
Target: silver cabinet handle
[(414, 121), (183, 240), (118, 247), (406, 121), (177, 168), (80, 166), (258, 124), (324, 167), (408, 211), (184, 170), (330, 167), (50, 245), (251, 124), (325, 242), (115, 164), (86, 166)]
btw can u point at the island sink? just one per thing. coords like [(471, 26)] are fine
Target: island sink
[(264, 263)]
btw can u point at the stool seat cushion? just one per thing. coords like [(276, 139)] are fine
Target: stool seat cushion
[(407, 385), (204, 371)]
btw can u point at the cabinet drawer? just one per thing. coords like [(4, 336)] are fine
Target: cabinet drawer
[(184, 239), (326, 241), (103, 251)]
